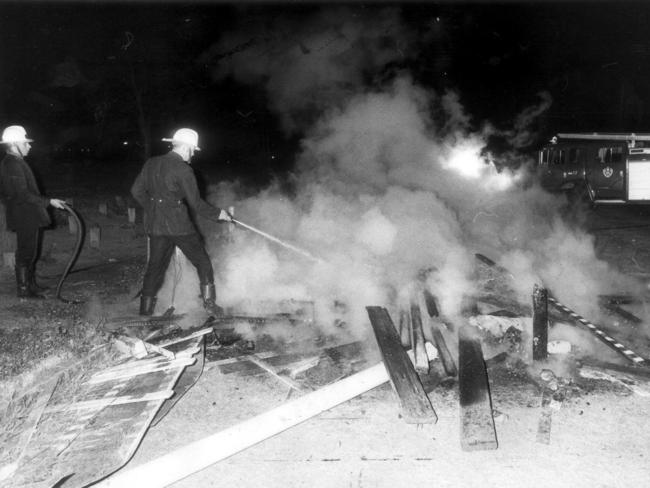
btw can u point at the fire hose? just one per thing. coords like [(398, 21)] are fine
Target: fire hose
[(75, 253), (293, 248)]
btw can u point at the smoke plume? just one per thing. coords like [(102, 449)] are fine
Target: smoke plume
[(391, 184), (306, 63)]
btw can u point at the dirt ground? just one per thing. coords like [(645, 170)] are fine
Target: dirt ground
[(599, 436)]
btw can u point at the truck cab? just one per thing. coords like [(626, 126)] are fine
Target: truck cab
[(607, 168)]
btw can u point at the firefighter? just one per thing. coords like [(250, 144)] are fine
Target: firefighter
[(26, 208), (167, 190)]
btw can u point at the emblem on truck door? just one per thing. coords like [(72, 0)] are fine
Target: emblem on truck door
[(607, 172)]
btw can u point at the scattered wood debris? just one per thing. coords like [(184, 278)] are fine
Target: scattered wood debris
[(91, 424)]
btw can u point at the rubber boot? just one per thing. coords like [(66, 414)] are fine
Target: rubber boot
[(147, 304), (22, 283), (209, 295), (35, 287)]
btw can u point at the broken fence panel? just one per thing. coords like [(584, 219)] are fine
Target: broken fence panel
[(198, 455)]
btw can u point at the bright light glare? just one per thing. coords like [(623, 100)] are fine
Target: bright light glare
[(465, 159), (466, 162)]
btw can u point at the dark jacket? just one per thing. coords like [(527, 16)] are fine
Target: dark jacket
[(19, 192), (166, 189)]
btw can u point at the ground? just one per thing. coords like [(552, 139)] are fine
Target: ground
[(598, 437)]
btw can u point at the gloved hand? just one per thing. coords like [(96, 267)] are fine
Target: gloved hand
[(55, 202), (225, 216)]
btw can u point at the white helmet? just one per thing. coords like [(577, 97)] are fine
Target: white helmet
[(14, 134), (185, 136)]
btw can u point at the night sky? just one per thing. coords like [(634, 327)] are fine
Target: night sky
[(97, 75)]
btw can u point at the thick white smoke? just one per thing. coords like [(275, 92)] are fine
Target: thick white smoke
[(390, 181)]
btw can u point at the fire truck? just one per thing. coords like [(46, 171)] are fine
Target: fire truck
[(604, 168)]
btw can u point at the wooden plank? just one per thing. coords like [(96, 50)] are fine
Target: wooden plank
[(405, 328), (638, 386), (188, 378), (111, 401), (545, 419), (419, 352), (270, 369), (200, 454), (448, 363), (93, 442), (641, 373), (430, 301), (198, 333), (19, 422), (540, 323), (414, 403), (176, 363), (477, 424)]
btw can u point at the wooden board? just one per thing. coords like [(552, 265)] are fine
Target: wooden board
[(78, 446), (545, 419), (187, 380), (19, 421), (419, 352), (477, 424), (540, 323), (448, 363), (414, 402)]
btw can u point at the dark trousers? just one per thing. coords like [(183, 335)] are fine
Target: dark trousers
[(27, 240), (161, 249)]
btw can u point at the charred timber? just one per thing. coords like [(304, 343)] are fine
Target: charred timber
[(414, 402)]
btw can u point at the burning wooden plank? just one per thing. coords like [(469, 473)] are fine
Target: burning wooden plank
[(415, 405), (477, 424)]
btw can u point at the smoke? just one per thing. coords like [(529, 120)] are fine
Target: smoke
[(390, 181), (522, 135), (306, 63)]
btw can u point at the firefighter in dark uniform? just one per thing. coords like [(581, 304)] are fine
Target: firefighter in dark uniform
[(166, 189), (26, 208)]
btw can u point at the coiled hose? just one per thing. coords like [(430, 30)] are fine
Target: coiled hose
[(77, 249)]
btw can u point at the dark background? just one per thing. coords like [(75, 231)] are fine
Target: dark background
[(103, 82)]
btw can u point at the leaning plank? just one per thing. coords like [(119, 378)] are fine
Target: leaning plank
[(435, 326), (447, 359), (405, 328), (198, 455), (540, 323), (477, 424), (420, 353), (415, 405)]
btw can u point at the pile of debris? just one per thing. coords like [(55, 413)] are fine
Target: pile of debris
[(86, 422)]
